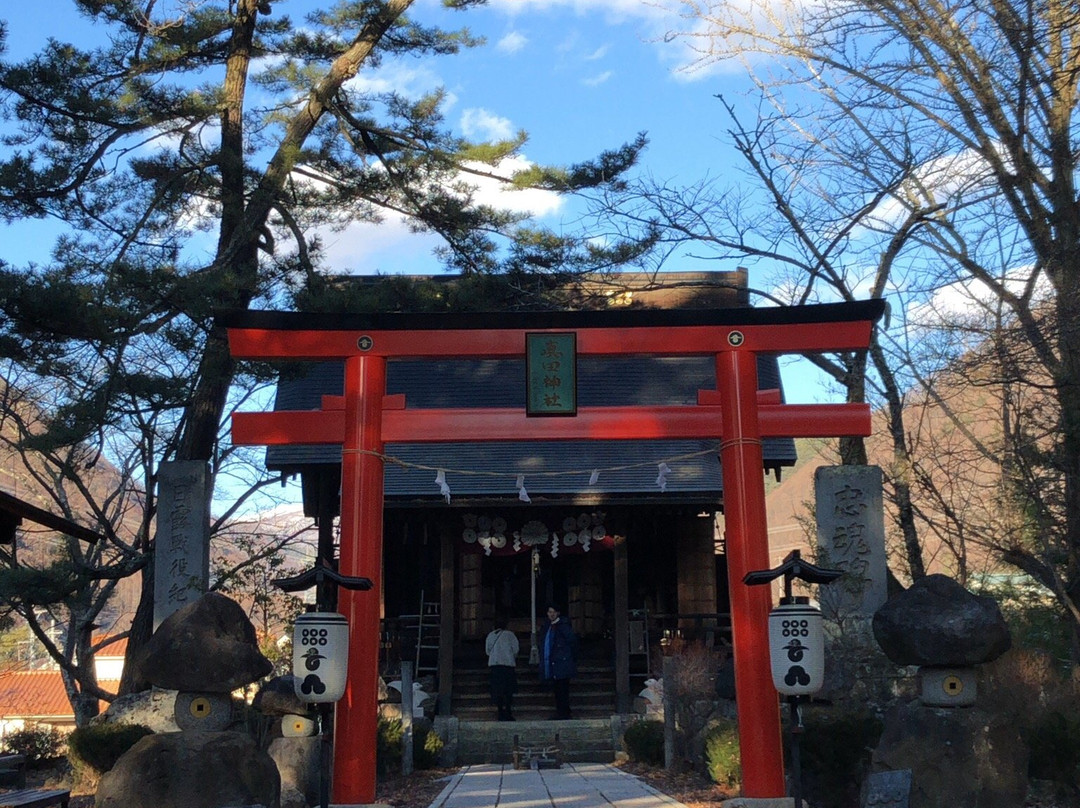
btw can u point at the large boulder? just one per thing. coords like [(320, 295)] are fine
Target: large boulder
[(191, 770), (278, 697), (297, 761), (938, 622), (956, 757), (208, 646), (150, 708)]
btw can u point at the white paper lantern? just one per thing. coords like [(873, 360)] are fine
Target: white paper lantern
[(796, 647), (320, 656)]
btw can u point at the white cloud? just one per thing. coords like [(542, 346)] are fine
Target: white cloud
[(597, 80), (512, 42), (943, 181), (655, 20), (405, 79), (617, 8), (597, 54), (971, 300), (391, 246), (479, 124), (532, 201)]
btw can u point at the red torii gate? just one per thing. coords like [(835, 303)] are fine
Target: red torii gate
[(366, 418)]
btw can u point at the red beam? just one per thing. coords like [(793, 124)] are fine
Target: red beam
[(255, 343), (282, 428), (591, 423)]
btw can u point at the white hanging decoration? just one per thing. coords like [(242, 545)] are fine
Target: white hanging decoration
[(570, 539), (583, 521), (498, 524), (498, 541), (523, 495), (661, 478), (554, 545), (517, 542), (594, 478), (585, 541), (485, 542), (569, 523), (483, 524), (469, 535), (444, 488)]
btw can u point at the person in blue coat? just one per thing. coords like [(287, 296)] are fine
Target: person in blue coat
[(558, 660)]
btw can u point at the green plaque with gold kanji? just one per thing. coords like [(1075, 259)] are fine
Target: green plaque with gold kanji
[(551, 374)]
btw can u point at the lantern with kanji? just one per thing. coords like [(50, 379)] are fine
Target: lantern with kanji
[(320, 656), (796, 647)]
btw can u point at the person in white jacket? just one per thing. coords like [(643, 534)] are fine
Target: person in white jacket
[(502, 650)]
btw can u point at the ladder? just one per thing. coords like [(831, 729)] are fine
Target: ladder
[(427, 637)]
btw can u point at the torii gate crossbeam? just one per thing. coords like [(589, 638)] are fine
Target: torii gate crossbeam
[(366, 418)]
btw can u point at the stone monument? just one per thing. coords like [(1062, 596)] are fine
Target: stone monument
[(182, 543), (851, 538)]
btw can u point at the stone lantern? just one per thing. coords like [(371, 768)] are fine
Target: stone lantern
[(946, 631)]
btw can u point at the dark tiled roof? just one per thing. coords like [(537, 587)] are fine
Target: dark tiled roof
[(627, 467)]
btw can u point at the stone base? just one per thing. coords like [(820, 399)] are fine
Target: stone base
[(762, 802), (956, 757)]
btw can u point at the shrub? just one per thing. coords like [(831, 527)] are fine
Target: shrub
[(722, 760), (1030, 689), (835, 751), (388, 746), (39, 743), (94, 749), (644, 742), (426, 746), (690, 680), (1054, 740)]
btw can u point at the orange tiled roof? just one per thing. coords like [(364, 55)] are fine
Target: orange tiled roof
[(111, 647), (38, 694)]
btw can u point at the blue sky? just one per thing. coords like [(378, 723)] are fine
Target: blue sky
[(578, 75)]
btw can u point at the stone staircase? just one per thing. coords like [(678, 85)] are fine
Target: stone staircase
[(593, 740), (592, 691), (474, 734)]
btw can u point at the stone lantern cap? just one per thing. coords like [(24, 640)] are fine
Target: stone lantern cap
[(937, 622), (208, 646)]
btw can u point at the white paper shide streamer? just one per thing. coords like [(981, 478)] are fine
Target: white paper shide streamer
[(444, 487), (661, 478)]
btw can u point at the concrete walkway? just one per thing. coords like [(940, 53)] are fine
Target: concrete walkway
[(573, 785)]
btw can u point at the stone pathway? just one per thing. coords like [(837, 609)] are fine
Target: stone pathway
[(573, 785)]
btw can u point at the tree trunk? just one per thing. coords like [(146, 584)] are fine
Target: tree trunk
[(242, 223), (900, 475)]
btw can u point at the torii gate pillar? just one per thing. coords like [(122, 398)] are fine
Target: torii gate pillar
[(361, 516), (747, 544)]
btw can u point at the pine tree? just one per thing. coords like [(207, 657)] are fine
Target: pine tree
[(227, 119)]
